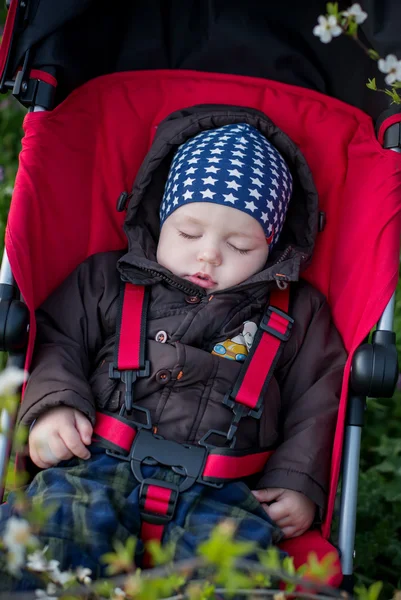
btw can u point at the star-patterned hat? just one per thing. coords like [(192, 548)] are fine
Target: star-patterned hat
[(234, 165)]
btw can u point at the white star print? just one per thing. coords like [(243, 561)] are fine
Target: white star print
[(193, 161), (197, 152), (234, 173), (258, 162), (257, 153), (187, 195), (240, 146), (275, 218), (175, 188), (230, 198), (257, 171), (270, 205), (236, 162), (250, 206), (275, 172), (216, 151), (175, 201), (275, 183), (191, 170), (238, 153), (233, 185), (208, 194), (257, 182), (220, 143), (176, 176), (254, 193), (189, 181), (243, 140), (208, 180), (212, 169), (214, 160), (265, 217), (285, 185), (273, 193)]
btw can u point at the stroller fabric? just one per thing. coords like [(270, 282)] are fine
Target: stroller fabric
[(77, 159)]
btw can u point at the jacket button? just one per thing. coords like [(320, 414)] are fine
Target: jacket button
[(192, 299), (161, 336), (163, 376)]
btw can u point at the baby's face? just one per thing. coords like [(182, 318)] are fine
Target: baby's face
[(214, 246)]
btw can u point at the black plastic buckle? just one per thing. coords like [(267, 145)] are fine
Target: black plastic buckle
[(186, 460), (240, 411), (157, 518), (129, 376), (265, 327), (203, 441)]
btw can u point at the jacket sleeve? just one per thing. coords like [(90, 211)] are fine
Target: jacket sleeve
[(71, 325), (310, 379)]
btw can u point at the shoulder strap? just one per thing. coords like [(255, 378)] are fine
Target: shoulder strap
[(246, 397), (130, 347)]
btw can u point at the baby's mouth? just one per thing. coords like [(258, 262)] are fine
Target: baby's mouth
[(202, 279)]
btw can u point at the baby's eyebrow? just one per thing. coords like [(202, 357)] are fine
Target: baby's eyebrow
[(241, 234)]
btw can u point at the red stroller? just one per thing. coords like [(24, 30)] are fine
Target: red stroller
[(77, 158)]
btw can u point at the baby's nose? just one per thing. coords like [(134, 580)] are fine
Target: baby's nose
[(211, 256)]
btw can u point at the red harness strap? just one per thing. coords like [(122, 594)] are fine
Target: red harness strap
[(133, 441)]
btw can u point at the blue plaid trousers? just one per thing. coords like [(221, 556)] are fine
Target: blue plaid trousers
[(97, 501)]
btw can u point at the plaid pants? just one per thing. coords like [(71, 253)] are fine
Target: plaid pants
[(96, 502)]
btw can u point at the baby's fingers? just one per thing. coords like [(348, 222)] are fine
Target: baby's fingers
[(39, 458), (71, 438), (277, 512)]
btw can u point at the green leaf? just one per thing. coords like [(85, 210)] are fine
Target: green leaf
[(161, 555), (332, 8), (372, 84), (373, 54), (352, 29), (370, 593), (396, 99), (122, 560)]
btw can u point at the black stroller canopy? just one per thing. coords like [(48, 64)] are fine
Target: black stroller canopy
[(77, 40)]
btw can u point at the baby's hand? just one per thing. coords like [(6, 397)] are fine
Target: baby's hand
[(59, 434), (292, 511)]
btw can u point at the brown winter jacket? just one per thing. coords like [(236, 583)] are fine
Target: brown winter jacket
[(187, 383)]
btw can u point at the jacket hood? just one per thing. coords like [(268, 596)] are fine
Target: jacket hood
[(292, 252)]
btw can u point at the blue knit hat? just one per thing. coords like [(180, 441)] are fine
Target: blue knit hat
[(236, 166)]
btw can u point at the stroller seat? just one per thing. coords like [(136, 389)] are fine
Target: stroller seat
[(77, 159)]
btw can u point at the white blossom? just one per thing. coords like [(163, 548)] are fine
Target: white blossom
[(327, 28), (11, 379), (18, 534), (357, 13), (36, 561), (61, 577), (47, 594), (83, 575), (392, 66), (15, 560)]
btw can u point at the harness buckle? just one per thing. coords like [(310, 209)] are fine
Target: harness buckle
[(186, 460), (240, 411), (268, 329), (157, 518), (129, 377)]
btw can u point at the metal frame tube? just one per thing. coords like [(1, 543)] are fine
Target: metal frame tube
[(386, 321), (349, 493), (350, 470)]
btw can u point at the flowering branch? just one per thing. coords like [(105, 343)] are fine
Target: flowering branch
[(346, 22)]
